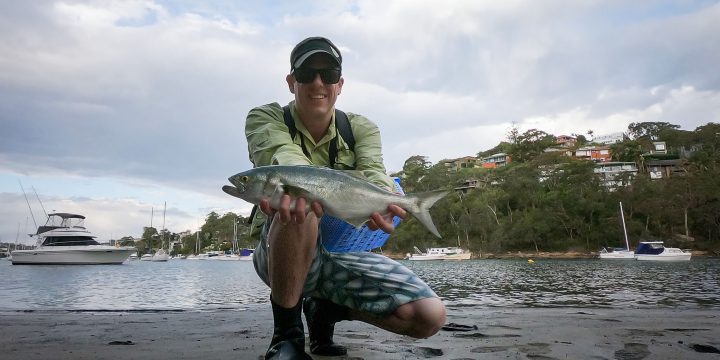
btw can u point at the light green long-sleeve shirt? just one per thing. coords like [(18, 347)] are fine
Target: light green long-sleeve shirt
[(269, 143)]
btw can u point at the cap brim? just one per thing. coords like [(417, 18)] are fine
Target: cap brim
[(310, 53)]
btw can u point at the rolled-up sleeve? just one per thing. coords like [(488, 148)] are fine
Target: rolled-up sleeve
[(269, 142)]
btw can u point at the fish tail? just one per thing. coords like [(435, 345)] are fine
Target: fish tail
[(424, 201)]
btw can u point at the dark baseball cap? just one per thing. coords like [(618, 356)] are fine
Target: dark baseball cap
[(313, 45)]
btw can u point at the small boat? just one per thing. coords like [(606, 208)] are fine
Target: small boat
[(443, 253), (64, 240), (656, 251), (618, 253), (146, 257), (160, 255)]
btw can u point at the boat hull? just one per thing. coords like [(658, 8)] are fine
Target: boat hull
[(72, 255), (617, 255), (661, 257)]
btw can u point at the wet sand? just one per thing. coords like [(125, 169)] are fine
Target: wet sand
[(538, 333)]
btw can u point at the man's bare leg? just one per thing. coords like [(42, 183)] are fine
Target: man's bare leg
[(291, 246), (419, 319)]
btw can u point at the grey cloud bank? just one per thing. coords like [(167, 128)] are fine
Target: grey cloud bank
[(156, 92)]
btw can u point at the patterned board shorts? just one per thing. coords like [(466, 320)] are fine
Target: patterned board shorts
[(362, 281)]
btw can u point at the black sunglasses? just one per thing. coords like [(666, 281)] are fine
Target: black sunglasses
[(307, 75)]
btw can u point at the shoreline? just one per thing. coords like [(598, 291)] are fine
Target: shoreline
[(523, 255), (501, 333)]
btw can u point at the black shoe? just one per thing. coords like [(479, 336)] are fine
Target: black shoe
[(321, 316), (287, 350), (288, 341)]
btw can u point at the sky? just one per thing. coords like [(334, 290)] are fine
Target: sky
[(132, 112)]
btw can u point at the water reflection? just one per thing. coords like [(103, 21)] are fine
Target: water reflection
[(575, 283), (209, 285)]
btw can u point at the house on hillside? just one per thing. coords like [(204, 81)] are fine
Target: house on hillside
[(496, 160), (616, 174), (609, 139), (466, 162), (597, 153), (468, 185), (658, 169), (565, 141)]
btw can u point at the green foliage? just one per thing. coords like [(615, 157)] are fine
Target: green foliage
[(529, 145), (548, 202)]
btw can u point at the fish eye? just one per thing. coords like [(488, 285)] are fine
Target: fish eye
[(244, 178)]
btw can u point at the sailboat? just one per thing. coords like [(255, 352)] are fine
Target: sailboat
[(619, 253), (161, 254)]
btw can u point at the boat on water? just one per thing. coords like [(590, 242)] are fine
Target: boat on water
[(243, 255), (160, 255), (618, 253), (64, 240), (440, 253), (609, 253), (656, 251)]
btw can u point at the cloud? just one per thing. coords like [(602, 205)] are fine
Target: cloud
[(153, 94)]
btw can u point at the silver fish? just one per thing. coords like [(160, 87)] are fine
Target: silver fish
[(343, 194)]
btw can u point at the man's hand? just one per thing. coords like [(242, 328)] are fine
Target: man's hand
[(385, 221), (288, 212)]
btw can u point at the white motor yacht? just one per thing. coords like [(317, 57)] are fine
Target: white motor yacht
[(64, 240), (445, 253), (655, 251)]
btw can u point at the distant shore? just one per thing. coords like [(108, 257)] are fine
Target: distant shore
[(487, 333), (541, 255)]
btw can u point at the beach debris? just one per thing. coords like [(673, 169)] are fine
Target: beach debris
[(632, 351), (705, 349), (121, 342), (427, 352), (459, 327), (343, 194)]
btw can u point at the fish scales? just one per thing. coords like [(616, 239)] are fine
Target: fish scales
[(342, 194)]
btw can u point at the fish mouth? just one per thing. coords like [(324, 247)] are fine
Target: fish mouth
[(234, 191)]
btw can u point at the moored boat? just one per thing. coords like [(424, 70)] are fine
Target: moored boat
[(656, 251), (64, 240), (618, 253), (442, 253)]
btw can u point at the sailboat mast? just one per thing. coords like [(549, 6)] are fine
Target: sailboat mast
[(622, 216), (162, 239)]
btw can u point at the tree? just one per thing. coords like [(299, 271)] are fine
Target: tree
[(649, 130), (530, 144), (414, 170)]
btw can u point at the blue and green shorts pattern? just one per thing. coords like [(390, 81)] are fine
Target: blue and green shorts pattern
[(362, 281)]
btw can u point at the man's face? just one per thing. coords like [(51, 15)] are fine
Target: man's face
[(315, 99)]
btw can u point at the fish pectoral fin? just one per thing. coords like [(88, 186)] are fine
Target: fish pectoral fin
[(295, 191), (357, 223), (231, 190)]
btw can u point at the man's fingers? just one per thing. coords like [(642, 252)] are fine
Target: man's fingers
[(284, 209), (299, 210), (382, 222), (397, 211), (317, 208)]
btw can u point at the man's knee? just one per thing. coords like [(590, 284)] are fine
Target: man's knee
[(427, 317)]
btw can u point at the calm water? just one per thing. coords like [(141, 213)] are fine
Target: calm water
[(210, 285)]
